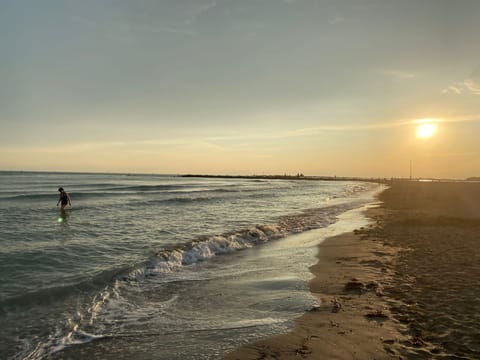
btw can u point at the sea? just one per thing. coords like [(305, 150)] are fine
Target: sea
[(160, 266)]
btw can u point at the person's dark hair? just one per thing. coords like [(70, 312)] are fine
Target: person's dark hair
[(60, 189)]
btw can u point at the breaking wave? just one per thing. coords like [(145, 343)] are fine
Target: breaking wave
[(205, 248)]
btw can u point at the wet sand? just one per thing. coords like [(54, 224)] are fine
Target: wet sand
[(406, 287)]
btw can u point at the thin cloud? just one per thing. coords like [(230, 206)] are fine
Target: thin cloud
[(398, 74), (472, 86), (64, 148), (206, 7), (170, 30), (337, 128), (377, 126), (336, 19), (311, 131), (200, 11), (467, 86), (452, 89), (214, 142)]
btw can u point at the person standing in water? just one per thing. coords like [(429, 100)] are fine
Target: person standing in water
[(64, 198)]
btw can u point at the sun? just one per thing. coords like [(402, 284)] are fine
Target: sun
[(426, 130)]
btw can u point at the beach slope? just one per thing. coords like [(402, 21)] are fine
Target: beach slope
[(408, 286)]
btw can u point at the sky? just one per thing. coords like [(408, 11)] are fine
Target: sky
[(334, 88)]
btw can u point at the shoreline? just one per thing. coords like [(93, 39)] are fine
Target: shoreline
[(352, 320), (407, 286)]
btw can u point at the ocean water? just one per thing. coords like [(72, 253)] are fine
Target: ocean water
[(159, 267)]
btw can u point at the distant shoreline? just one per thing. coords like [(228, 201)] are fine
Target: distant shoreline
[(288, 177)]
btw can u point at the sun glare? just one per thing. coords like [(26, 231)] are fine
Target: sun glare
[(426, 130)]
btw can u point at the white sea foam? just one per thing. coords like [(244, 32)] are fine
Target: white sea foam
[(171, 260)]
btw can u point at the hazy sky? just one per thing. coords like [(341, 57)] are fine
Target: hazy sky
[(240, 86)]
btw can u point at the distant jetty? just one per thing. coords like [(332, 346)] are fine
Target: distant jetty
[(287, 177)]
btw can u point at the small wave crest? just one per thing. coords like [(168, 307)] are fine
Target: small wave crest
[(205, 248), (197, 251), (183, 194)]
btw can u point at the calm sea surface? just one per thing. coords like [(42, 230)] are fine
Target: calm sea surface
[(159, 267)]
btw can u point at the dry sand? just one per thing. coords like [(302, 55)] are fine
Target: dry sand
[(407, 287)]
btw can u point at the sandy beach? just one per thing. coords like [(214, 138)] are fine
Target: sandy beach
[(406, 287)]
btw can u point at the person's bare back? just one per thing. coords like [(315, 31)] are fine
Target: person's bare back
[(64, 198)]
